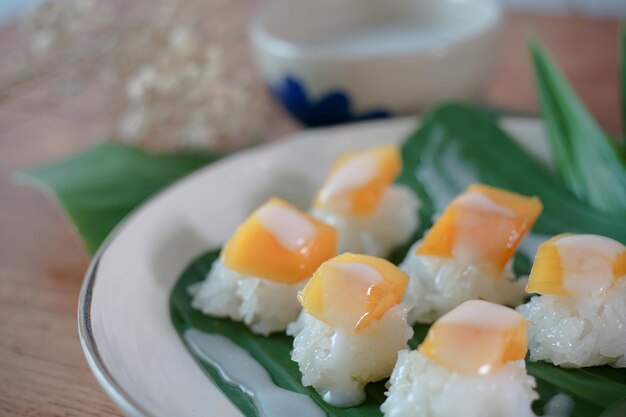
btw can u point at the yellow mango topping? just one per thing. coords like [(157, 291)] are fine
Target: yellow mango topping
[(349, 291), (357, 181), (619, 266), (576, 264), (476, 338), (483, 226), (280, 243), (546, 276)]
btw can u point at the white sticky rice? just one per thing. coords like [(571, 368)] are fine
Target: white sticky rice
[(392, 224), (338, 364), (576, 332), (263, 305), (420, 387), (437, 285)]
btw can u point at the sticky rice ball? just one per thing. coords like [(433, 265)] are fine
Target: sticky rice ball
[(580, 317), (351, 328), (471, 364), (468, 253), (372, 216), (263, 266)]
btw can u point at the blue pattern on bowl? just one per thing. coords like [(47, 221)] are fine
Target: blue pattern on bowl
[(333, 108)]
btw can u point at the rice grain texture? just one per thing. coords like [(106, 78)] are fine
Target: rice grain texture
[(576, 331), (419, 387), (339, 363), (437, 285), (263, 305)]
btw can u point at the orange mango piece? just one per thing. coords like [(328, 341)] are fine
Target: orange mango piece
[(476, 338), (546, 276), (566, 259), (619, 266), (483, 226), (357, 180), (350, 291), (280, 243)]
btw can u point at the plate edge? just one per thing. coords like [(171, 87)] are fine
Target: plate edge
[(113, 389)]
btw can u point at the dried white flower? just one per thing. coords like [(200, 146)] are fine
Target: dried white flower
[(178, 72)]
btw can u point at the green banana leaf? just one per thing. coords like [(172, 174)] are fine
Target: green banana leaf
[(622, 79), (589, 162), (454, 146), (100, 186)]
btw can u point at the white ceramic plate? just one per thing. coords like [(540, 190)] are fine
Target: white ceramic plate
[(124, 321)]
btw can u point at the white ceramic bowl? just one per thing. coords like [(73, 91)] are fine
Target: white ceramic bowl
[(332, 61)]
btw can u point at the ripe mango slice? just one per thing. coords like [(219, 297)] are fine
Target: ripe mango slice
[(619, 266), (546, 276), (483, 226), (477, 338), (577, 264), (280, 243), (357, 181), (350, 291)]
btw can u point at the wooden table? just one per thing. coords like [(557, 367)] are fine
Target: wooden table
[(42, 261)]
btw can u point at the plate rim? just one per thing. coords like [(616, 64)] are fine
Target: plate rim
[(120, 396), (107, 381)]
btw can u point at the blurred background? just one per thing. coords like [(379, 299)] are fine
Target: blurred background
[(184, 75), (172, 74)]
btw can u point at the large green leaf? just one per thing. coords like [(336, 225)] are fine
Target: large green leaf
[(100, 186), (622, 71), (590, 164), (455, 146)]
